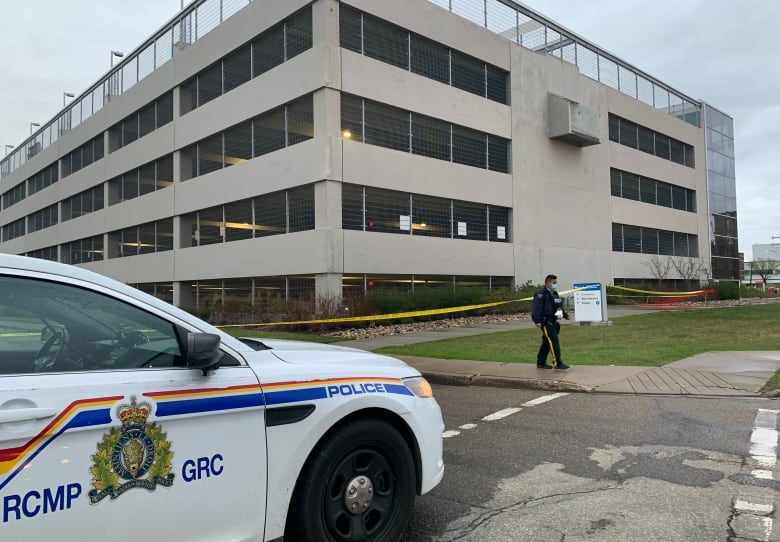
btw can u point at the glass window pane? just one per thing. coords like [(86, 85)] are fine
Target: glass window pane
[(470, 220), (430, 59), (629, 133), (351, 117), (664, 191), (300, 120), (164, 237), (500, 225), (350, 23), (617, 237), (238, 144), (646, 140), (238, 220), (130, 129), (615, 182), (387, 211), (210, 154), (665, 243), (210, 226), (210, 83), (130, 188), (677, 151), (146, 179), (238, 67), (146, 238), (679, 200), (128, 242), (630, 186), (497, 84), (270, 214), (386, 126), (468, 74), (385, 41), (300, 204), (469, 147), (147, 118), (498, 153), (164, 109), (164, 171), (649, 241), (431, 216), (269, 133), (299, 32), (662, 146), (351, 207), (647, 190), (430, 137), (632, 238), (268, 50)]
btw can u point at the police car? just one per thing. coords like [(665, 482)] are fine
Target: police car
[(125, 418)]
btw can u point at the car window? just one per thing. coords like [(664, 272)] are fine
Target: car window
[(53, 327)]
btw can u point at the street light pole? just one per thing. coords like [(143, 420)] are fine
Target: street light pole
[(34, 125), (8, 148), (117, 54), (65, 96)]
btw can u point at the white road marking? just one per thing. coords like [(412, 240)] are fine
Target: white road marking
[(544, 399), (763, 474), (501, 414), (744, 506), (763, 442)]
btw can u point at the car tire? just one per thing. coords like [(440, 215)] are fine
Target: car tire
[(358, 485)]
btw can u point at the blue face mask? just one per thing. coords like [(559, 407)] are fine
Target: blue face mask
[(554, 287)]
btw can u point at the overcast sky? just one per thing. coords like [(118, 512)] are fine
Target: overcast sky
[(726, 53)]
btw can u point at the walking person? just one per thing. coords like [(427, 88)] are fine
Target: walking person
[(546, 309)]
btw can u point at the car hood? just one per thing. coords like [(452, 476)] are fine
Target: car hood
[(299, 352)]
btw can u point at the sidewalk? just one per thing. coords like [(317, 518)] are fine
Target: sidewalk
[(735, 374)]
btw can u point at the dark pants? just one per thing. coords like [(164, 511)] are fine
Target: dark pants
[(550, 344)]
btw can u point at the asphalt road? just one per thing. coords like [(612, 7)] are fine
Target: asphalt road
[(602, 467)]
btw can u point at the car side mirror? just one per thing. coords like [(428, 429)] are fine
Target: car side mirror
[(203, 351)]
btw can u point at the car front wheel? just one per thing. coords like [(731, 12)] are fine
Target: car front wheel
[(359, 485)]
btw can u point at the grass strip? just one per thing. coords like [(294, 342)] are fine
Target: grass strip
[(652, 340)]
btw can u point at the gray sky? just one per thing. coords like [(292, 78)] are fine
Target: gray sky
[(723, 52)]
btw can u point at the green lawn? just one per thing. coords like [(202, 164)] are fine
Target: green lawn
[(293, 336), (652, 339)]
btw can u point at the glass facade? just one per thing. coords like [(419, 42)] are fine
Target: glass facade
[(722, 194)]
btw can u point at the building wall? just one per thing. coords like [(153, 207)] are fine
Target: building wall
[(562, 210)]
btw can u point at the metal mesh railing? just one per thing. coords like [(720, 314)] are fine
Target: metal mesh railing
[(534, 31)]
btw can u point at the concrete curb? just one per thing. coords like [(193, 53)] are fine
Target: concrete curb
[(451, 379)]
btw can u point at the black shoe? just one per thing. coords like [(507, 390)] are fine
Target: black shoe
[(562, 367), (545, 366)]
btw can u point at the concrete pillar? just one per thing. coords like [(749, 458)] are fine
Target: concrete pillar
[(182, 294), (328, 285)]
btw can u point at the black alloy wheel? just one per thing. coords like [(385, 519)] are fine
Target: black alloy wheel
[(359, 486)]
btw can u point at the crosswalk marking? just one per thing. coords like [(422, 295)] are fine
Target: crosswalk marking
[(501, 414), (543, 399)]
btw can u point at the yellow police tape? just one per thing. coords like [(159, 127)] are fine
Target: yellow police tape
[(391, 316), (659, 294)]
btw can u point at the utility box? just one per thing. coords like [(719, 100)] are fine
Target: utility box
[(572, 123)]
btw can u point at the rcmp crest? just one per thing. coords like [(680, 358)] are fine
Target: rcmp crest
[(135, 455)]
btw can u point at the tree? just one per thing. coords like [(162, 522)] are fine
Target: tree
[(765, 267), (690, 269), (659, 267)]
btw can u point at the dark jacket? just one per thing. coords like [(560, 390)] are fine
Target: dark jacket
[(545, 305)]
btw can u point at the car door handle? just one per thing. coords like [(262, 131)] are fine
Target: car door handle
[(26, 414)]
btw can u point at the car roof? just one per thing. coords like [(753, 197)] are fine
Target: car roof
[(25, 263)]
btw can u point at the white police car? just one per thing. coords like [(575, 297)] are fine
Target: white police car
[(124, 418)]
